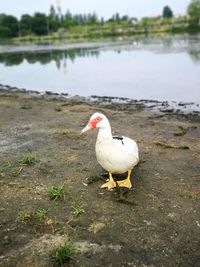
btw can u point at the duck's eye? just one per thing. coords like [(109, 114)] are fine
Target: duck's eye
[(98, 119)]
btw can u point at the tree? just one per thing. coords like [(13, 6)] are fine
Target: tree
[(53, 20), (4, 32), (92, 19), (40, 24), (52, 13), (194, 11), (26, 24), (68, 19), (167, 12), (9, 26)]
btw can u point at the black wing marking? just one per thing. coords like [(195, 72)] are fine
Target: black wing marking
[(120, 138)]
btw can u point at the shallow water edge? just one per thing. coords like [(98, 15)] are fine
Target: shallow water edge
[(161, 107)]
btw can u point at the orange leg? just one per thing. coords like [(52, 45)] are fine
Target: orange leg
[(126, 182), (110, 184)]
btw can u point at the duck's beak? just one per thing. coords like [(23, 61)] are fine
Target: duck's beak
[(87, 128)]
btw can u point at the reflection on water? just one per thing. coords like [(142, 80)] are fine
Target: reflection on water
[(195, 56), (149, 68), (11, 59)]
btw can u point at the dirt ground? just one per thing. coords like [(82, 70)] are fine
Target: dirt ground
[(155, 224)]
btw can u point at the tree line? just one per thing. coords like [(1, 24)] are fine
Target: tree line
[(42, 24)]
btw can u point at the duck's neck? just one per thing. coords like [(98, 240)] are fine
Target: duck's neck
[(105, 132)]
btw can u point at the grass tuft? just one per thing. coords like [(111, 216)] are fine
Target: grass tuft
[(16, 171), (64, 253), (165, 145), (28, 160), (94, 178), (57, 193), (122, 196), (182, 131), (78, 211), (41, 214), (23, 216)]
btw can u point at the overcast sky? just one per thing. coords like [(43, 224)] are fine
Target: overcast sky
[(105, 8)]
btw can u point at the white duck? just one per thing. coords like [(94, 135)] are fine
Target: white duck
[(116, 154)]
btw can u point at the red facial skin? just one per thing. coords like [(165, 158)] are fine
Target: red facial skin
[(94, 122)]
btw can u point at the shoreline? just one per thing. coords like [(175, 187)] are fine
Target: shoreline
[(162, 107)]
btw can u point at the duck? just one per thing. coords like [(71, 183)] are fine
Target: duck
[(116, 154)]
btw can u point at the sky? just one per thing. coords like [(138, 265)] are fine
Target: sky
[(103, 8)]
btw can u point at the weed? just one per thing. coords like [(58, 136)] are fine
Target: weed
[(7, 164), (94, 178), (57, 193), (121, 196), (64, 253), (16, 171), (41, 214), (78, 210), (28, 160), (165, 145), (23, 216), (182, 131), (26, 107)]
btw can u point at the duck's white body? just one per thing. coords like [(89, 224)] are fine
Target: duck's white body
[(116, 154)]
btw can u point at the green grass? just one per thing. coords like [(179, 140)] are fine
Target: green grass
[(94, 178), (122, 196), (57, 193), (23, 216), (28, 160), (64, 253), (78, 210), (16, 171), (41, 214), (7, 164)]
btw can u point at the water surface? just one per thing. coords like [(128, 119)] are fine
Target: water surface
[(166, 68)]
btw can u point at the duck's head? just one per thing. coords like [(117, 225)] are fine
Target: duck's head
[(97, 120)]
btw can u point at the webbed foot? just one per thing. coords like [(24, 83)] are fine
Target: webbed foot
[(110, 184), (126, 182)]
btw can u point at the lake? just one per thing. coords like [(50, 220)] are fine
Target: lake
[(156, 68)]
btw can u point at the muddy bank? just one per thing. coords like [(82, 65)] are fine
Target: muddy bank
[(190, 109), (155, 224)]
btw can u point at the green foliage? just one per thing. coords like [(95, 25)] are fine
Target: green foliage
[(122, 196), (23, 216), (16, 171), (41, 214), (5, 32), (28, 160), (78, 210), (57, 193), (64, 253), (26, 24), (8, 26), (194, 10), (7, 164), (94, 178), (61, 25), (39, 24), (167, 12)]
